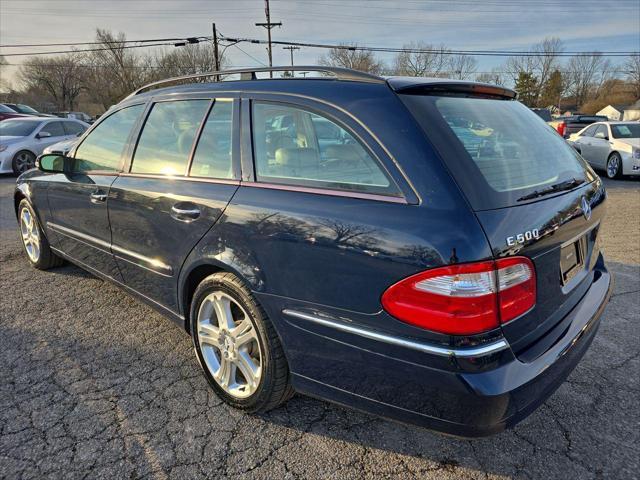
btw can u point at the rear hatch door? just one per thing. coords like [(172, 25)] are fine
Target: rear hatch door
[(532, 193)]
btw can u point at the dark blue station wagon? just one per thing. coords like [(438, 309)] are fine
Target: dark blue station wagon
[(424, 250)]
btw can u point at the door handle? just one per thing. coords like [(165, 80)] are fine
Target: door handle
[(98, 197), (185, 212)]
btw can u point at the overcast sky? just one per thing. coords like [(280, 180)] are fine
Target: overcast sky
[(463, 24)]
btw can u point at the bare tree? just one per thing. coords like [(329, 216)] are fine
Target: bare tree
[(540, 62), (632, 65), (585, 75), (429, 61), (59, 77), (462, 67), (495, 77), (187, 60), (346, 56), (114, 72), (4, 83)]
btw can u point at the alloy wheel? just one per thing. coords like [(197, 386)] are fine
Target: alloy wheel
[(229, 344), (30, 235), (613, 166), (24, 161)]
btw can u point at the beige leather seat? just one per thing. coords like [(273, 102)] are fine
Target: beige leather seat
[(296, 162)]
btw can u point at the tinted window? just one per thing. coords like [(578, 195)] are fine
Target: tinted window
[(508, 151), (73, 128), (212, 157), (297, 147), (625, 130), (601, 131), (17, 128), (5, 109), (167, 137), (589, 132), (55, 129), (103, 147)]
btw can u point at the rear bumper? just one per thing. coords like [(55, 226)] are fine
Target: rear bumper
[(460, 395)]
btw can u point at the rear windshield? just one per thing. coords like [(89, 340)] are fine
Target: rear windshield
[(625, 130), (498, 150)]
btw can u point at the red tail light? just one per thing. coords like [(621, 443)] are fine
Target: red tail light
[(464, 299), (562, 128)]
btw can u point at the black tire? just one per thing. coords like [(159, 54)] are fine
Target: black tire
[(614, 166), (23, 161), (47, 258), (274, 387)]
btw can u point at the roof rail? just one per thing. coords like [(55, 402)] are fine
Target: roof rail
[(250, 74)]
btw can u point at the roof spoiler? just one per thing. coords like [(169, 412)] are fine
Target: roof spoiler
[(452, 87)]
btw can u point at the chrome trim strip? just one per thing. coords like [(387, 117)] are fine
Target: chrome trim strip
[(180, 178), (326, 191), (487, 349), (155, 266)]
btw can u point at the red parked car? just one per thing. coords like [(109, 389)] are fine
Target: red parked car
[(6, 112)]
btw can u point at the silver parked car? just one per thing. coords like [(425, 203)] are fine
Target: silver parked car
[(23, 139), (610, 146)]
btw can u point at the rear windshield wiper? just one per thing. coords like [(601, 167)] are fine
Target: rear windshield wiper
[(556, 187)]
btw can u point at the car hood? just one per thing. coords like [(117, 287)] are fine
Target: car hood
[(634, 142), (6, 140)]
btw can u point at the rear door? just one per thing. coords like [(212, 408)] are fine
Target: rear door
[(182, 175), (600, 147)]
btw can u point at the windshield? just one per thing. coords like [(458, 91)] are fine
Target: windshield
[(26, 109), (499, 151), (17, 128), (625, 130), (5, 109)]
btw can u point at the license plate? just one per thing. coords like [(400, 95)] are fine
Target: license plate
[(571, 260)]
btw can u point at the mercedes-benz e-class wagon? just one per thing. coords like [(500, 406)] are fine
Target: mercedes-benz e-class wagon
[(424, 250)]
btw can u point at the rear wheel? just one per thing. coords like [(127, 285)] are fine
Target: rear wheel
[(614, 166), (237, 346), (36, 245), (23, 161)]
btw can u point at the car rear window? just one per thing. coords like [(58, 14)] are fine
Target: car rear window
[(626, 130), (498, 150)]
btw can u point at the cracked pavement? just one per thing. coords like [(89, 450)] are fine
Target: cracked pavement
[(94, 384)]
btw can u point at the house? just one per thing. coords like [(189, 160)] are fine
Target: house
[(632, 112), (621, 112)]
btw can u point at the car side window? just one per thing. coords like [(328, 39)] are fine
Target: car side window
[(167, 137), (102, 149), (601, 132), (589, 132), (55, 129), (73, 128), (212, 158), (297, 147)]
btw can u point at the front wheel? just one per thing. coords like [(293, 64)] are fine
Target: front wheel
[(237, 346), (614, 166), (23, 161), (35, 244)]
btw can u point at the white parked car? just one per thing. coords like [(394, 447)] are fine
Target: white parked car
[(61, 148), (610, 146), (23, 139)]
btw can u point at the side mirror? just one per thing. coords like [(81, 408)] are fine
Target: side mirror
[(43, 135), (51, 163), (601, 135)]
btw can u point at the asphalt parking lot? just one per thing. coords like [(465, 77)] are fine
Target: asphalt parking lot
[(94, 384)]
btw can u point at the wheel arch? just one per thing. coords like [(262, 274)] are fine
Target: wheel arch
[(191, 276)]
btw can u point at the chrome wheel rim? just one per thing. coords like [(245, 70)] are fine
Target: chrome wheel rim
[(30, 235), (613, 166), (24, 162), (229, 345)]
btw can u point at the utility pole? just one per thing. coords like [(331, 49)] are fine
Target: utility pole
[(291, 49), (216, 58), (268, 25)]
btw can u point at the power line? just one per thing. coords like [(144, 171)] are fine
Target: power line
[(59, 52), (498, 53), (101, 43)]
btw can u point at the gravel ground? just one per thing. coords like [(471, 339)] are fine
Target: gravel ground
[(95, 385)]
